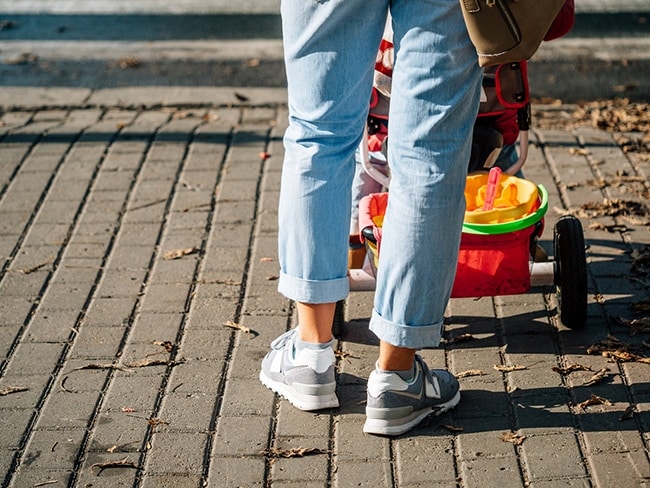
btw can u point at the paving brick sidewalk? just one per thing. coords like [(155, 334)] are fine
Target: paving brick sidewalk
[(138, 227)]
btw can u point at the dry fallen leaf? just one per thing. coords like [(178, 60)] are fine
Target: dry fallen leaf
[(33, 269), (117, 367), (636, 326), (508, 369), (471, 372), (616, 115), (210, 117), (633, 211), (628, 413), (610, 344), (168, 345), (156, 421), (599, 183), (179, 253), (642, 306), (123, 463), (626, 87), (243, 328), (623, 182), (219, 282), (143, 363), (179, 115), (608, 228), (12, 389), (572, 185), (571, 368), (237, 326), (513, 438), (617, 350), (594, 400), (621, 356), (641, 260), (597, 226), (345, 355), (275, 452), (600, 376), (461, 338), (127, 367)]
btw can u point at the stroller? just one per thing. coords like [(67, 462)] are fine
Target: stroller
[(499, 249)]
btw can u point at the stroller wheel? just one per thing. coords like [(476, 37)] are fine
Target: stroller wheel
[(339, 319), (570, 271)]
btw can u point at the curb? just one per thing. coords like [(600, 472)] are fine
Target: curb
[(607, 54)]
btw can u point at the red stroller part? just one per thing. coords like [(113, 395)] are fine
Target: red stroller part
[(489, 263), (492, 264)]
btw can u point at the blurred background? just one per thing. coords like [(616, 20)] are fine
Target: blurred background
[(112, 43)]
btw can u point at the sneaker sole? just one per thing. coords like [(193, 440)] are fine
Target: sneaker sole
[(300, 401), (399, 426)]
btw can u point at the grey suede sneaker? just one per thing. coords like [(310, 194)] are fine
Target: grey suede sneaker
[(306, 378), (395, 406)]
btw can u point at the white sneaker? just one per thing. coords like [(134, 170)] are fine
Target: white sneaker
[(305, 378), (395, 406)]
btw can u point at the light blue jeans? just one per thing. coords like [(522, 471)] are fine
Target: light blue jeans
[(330, 48)]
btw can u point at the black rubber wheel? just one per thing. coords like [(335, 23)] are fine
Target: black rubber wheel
[(570, 271), (339, 319)]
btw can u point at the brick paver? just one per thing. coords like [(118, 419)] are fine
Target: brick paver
[(138, 227)]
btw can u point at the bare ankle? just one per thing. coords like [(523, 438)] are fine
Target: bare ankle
[(393, 358)]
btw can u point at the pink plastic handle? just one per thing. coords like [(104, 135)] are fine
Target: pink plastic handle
[(493, 182)]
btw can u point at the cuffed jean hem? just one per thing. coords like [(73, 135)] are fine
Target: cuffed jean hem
[(399, 335), (313, 291)]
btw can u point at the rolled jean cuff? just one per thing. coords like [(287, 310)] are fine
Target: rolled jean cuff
[(410, 336), (313, 291)]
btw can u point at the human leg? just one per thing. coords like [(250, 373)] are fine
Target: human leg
[(319, 318), (394, 358), (329, 55), (434, 102)]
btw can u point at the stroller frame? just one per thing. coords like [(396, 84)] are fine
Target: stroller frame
[(564, 274)]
